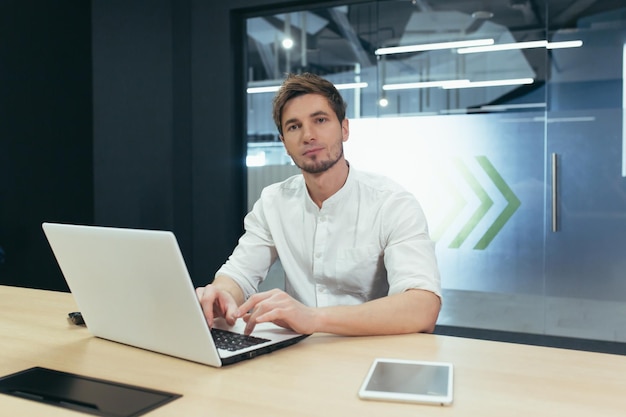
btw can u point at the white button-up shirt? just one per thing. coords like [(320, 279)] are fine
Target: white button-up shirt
[(368, 240)]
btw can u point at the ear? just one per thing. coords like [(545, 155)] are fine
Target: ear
[(345, 129), (282, 139)]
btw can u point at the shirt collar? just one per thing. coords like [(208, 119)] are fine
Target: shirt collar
[(341, 194)]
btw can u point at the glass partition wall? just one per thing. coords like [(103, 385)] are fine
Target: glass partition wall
[(504, 118)]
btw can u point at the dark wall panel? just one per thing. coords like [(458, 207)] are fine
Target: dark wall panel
[(133, 119), (45, 132)]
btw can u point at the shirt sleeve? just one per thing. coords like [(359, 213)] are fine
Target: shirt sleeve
[(254, 254), (409, 254)]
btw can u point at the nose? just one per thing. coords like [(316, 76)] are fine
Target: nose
[(308, 133)]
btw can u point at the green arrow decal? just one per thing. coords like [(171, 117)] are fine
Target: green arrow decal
[(511, 198), (485, 205)]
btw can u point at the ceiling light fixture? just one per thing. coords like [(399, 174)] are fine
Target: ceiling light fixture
[(267, 89), (432, 46), (503, 47), (274, 88), (452, 84), (425, 84), (287, 43), (348, 86), (521, 45), (564, 44), (482, 14), (490, 83)]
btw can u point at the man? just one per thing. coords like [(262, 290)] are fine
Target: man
[(354, 246)]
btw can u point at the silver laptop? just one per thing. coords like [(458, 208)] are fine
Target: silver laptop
[(132, 286)]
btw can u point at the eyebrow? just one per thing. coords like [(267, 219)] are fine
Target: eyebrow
[(312, 115)]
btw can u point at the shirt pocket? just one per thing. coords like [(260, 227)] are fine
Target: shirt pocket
[(360, 271)]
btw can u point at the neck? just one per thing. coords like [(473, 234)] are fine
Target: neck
[(323, 185)]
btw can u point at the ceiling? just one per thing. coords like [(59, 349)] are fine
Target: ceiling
[(331, 40)]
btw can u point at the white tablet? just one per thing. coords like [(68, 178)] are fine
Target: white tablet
[(408, 381)]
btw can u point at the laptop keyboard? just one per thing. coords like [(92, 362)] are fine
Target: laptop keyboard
[(231, 341)]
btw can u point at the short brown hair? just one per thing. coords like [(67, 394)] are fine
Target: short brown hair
[(299, 84)]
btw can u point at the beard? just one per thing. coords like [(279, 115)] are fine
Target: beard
[(317, 167)]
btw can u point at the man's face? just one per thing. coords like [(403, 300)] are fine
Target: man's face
[(312, 134)]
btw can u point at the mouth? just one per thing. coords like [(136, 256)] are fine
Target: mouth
[(311, 151)]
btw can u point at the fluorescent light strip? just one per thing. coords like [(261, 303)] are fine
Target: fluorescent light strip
[(491, 83), (274, 88), (268, 89), (564, 44), (451, 84), (432, 46), (348, 86), (503, 47), (521, 45), (425, 84)]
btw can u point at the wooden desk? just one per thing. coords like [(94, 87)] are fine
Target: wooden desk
[(317, 377)]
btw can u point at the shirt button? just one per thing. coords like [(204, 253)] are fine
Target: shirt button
[(318, 255)]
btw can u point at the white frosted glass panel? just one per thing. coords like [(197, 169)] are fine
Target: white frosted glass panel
[(480, 180)]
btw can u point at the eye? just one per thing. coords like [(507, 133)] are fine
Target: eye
[(292, 127)]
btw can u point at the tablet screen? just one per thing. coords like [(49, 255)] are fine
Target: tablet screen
[(401, 380)]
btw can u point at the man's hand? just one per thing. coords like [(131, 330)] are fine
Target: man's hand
[(217, 302), (411, 311), (278, 307)]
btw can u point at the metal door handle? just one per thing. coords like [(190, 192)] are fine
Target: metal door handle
[(555, 194)]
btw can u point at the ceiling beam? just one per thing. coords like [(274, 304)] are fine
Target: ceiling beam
[(571, 12), (344, 26)]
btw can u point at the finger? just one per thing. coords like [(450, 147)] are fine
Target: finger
[(273, 316), (252, 302), (252, 317), (250, 324), (199, 292), (230, 311), (208, 306), (208, 312)]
